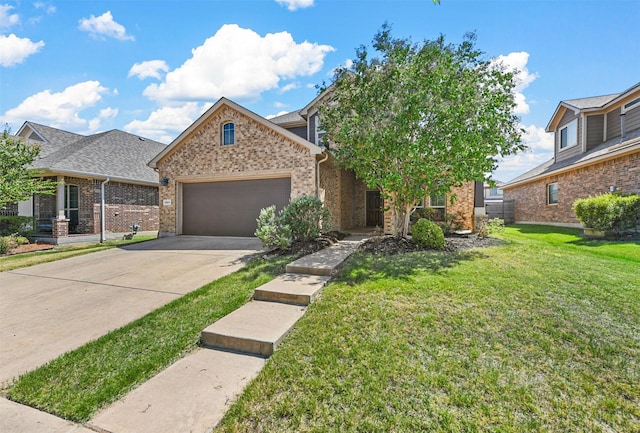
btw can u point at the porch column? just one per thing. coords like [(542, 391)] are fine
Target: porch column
[(60, 199)]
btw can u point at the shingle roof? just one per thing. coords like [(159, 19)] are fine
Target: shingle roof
[(283, 119), (591, 102), (108, 154)]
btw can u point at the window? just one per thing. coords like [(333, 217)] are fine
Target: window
[(569, 135), (630, 105), (228, 134), (552, 193), (437, 203)]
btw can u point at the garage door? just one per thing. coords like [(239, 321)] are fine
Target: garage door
[(230, 208)]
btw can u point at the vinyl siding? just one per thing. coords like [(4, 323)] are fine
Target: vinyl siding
[(300, 131), (632, 119), (613, 124), (568, 152), (312, 128), (595, 126)]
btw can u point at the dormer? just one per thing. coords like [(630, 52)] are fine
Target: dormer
[(580, 125)]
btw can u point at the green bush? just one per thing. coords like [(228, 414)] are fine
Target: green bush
[(271, 231), (9, 242), (307, 218), (21, 225), (609, 213), (428, 234)]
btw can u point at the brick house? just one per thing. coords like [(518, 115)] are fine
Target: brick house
[(109, 166), (597, 150), (217, 175)]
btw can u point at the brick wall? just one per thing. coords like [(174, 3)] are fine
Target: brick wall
[(463, 204), (258, 152), (125, 204), (531, 198)]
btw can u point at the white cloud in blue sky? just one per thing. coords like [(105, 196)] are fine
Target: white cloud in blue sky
[(239, 63), (60, 109), (293, 5), (7, 19), (104, 26), (15, 50), (149, 69)]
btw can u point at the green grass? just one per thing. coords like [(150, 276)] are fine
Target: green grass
[(9, 263), (77, 384), (540, 334)]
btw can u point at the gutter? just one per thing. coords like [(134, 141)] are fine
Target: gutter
[(102, 211), (318, 172)]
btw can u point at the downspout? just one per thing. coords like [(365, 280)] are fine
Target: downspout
[(318, 173), (102, 211)]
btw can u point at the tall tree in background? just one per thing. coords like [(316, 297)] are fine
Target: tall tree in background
[(17, 180), (421, 117)]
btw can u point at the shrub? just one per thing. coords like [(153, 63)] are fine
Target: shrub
[(307, 218), (271, 231), (21, 225), (609, 213), (9, 242), (428, 234)]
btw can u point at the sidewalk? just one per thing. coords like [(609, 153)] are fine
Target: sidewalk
[(193, 394)]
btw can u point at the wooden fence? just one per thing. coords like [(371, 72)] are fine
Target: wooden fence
[(505, 210)]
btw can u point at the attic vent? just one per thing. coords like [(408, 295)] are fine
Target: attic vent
[(140, 138)]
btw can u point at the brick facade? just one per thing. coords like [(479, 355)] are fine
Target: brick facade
[(344, 195), (463, 206), (125, 204), (258, 152), (531, 198)]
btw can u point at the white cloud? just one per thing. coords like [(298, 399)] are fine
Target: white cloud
[(14, 50), (149, 69), (290, 86), (105, 113), (104, 25), (7, 19), (517, 62), (278, 104), (540, 144), (61, 109), (280, 113), (50, 9), (166, 123), (239, 63), (292, 5)]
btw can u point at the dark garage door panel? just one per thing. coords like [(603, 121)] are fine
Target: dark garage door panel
[(230, 208)]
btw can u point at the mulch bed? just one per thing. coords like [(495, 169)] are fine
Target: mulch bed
[(391, 245), (386, 245), (29, 248)]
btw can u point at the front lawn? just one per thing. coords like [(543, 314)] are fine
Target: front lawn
[(540, 334)]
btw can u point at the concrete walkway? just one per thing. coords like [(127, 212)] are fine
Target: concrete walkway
[(193, 394)]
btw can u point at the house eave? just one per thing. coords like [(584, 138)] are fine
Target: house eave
[(628, 148)]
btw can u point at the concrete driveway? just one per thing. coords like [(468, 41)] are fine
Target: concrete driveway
[(49, 309)]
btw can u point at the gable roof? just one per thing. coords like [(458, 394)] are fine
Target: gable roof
[(292, 118), (115, 154), (313, 149)]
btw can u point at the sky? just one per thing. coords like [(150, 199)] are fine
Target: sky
[(152, 67)]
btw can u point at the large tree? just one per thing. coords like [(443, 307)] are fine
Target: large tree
[(18, 181), (420, 118)]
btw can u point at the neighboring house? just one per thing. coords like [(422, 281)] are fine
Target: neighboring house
[(217, 175), (597, 150), (109, 166), (493, 194)]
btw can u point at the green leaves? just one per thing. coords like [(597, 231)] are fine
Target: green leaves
[(420, 117), (17, 180)]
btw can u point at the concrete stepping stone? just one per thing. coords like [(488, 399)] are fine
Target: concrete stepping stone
[(255, 328), (324, 262), (297, 289)]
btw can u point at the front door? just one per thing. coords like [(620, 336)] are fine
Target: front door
[(374, 209)]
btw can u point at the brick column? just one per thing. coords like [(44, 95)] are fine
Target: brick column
[(59, 228)]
